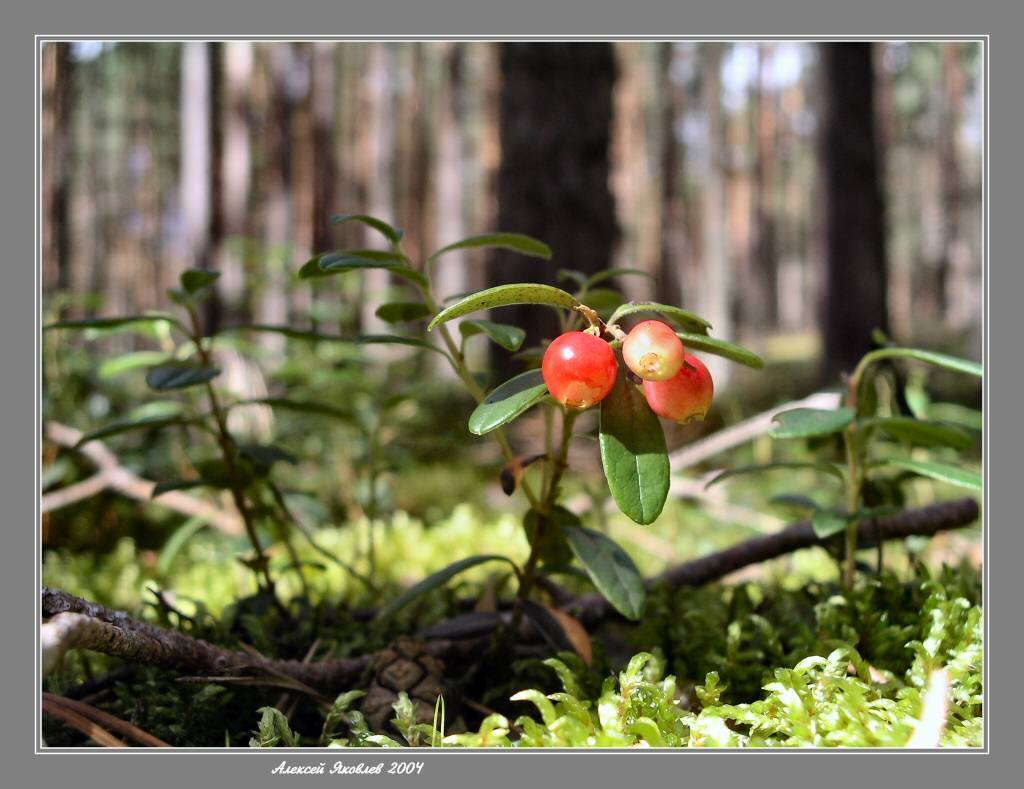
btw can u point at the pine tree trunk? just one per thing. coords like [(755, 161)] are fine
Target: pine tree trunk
[(855, 293), (556, 113)]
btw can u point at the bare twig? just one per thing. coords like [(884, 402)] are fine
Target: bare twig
[(923, 521), (89, 728), (116, 477), (106, 719)]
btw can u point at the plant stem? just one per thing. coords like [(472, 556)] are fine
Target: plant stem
[(458, 362), (227, 448), (529, 575)]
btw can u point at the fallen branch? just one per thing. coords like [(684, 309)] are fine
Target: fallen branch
[(923, 521), (105, 719), (112, 475), (80, 624)]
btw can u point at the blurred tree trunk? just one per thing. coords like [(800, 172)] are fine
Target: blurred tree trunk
[(195, 150), (556, 114), (761, 304), (716, 266), (675, 253), (58, 73), (954, 253), (235, 170), (855, 292)]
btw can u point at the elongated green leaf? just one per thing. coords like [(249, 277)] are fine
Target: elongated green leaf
[(402, 311), (177, 541), (267, 454), (112, 368), (943, 472), (508, 337), (611, 569), (916, 431), (957, 414), (115, 323), (943, 360), (392, 234), (340, 262), (195, 279), (363, 339), (132, 425), (178, 484), (807, 422), (687, 320), (437, 579), (508, 401), (728, 350), (301, 406), (825, 468), (179, 375), (633, 452), (797, 500), (504, 296), (828, 522), (607, 274), (517, 242), (394, 339)]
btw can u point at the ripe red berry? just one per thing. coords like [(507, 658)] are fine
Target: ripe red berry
[(653, 351), (684, 397), (579, 369)]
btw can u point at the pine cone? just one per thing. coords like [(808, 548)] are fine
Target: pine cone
[(404, 665)]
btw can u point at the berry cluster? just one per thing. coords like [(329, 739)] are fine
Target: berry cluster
[(580, 369)]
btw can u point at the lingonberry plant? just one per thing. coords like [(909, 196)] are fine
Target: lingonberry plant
[(867, 456), (580, 369)]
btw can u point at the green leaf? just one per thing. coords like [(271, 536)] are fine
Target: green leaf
[(943, 472), (943, 360), (394, 339), (728, 350), (363, 339), (604, 300), (402, 311), (177, 484), (195, 279), (796, 500), (112, 368), (611, 569), (508, 337), (301, 406), (807, 422), (437, 579), (115, 323), (339, 262), (633, 452), (916, 431), (392, 234), (267, 454), (177, 541), (553, 549), (179, 375), (504, 296), (689, 321), (508, 401), (607, 274), (958, 415), (517, 242), (130, 425), (825, 468), (828, 522)]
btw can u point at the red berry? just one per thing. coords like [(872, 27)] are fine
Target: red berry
[(579, 369), (684, 397), (653, 351)]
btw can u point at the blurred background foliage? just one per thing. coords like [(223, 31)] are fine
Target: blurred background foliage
[(707, 165)]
